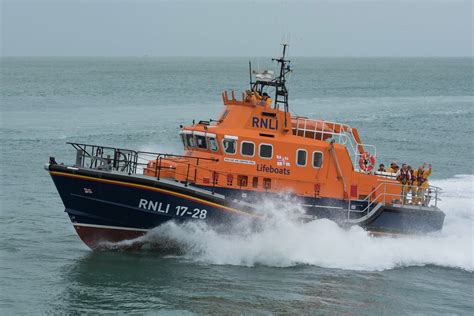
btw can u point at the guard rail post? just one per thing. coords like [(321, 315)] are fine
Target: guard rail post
[(159, 167), (195, 169), (187, 175)]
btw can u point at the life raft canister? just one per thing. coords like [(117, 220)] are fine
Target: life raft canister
[(366, 162)]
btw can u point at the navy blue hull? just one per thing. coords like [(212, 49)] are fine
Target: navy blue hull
[(98, 203), (391, 219), (93, 201), (413, 220), (330, 208), (106, 206)]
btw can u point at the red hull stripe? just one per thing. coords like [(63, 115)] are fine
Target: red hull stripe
[(144, 187), (97, 236), (110, 227)]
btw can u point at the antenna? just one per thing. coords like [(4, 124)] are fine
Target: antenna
[(250, 74), (266, 79), (281, 93)]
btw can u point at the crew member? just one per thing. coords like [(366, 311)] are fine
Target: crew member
[(253, 98), (393, 167), (250, 97), (257, 95), (404, 176), (411, 188), (266, 100), (421, 181)]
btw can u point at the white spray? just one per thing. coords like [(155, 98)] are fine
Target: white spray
[(284, 241)]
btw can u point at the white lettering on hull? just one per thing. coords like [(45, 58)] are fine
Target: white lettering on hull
[(154, 206), (242, 161), (181, 211), (142, 203)]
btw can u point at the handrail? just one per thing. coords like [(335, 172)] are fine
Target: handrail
[(429, 197), (329, 131), (140, 152), (120, 159), (92, 156), (298, 118), (338, 168), (366, 199)]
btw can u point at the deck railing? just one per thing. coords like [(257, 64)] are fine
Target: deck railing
[(123, 160), (332, 131), (409, 195), (187, 169)]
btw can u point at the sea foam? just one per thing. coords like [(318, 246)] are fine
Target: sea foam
[(285, 241)]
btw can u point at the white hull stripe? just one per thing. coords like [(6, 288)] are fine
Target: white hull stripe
[(110, 227)]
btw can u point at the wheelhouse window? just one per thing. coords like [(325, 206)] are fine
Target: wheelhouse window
[(213, 143), (266, 151), (190, 140), (247, 149), (230, 145), (317, 159), (201, 141), (183, 139), (301, 155)]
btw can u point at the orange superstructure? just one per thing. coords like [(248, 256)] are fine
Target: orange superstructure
[(252, 148), (260, 148)]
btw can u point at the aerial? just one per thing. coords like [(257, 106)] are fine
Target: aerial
[(237, 157)]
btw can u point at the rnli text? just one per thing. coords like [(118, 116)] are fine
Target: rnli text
[(154, 206), (165, 208), (264, 123)]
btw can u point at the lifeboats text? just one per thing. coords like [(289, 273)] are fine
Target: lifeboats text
[(270, 169)]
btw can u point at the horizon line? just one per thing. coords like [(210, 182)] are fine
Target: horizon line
[(211, 56)]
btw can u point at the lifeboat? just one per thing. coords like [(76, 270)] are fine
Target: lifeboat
[(254, 151)]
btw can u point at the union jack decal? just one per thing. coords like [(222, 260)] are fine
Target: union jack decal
[(283, 161), (87, 191)]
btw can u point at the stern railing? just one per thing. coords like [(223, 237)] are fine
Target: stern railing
[(410, 195)]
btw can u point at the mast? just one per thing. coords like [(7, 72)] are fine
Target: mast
[(281, 92)]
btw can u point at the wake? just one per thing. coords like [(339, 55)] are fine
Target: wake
[(285, 242)]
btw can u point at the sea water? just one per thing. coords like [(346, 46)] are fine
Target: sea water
[(414, 110)]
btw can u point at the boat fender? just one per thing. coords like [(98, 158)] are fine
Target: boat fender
[(366, 162)]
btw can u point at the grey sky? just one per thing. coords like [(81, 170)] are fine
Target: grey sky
[(236, 28)]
